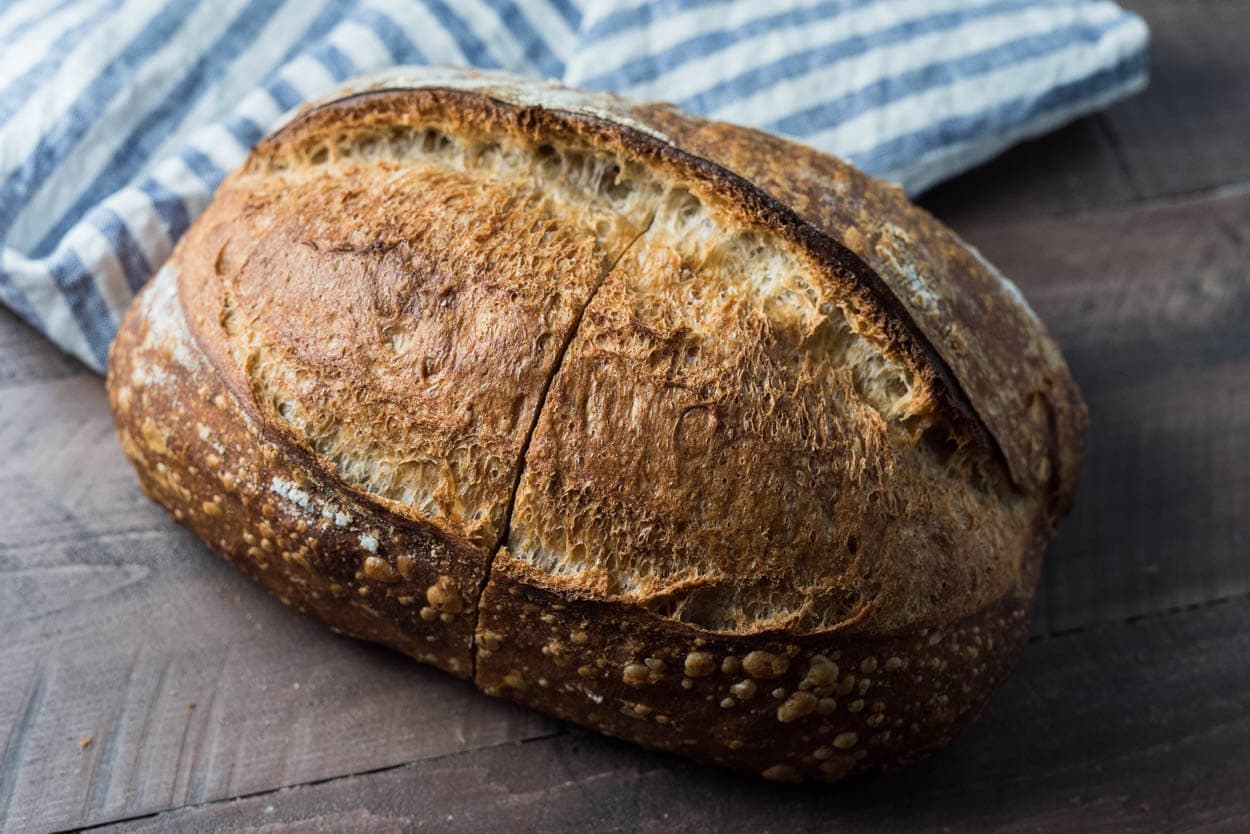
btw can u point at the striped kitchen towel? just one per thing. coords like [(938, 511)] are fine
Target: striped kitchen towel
[(119, 117)]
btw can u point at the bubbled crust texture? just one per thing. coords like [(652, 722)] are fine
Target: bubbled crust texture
[(790, 708), (978, 323), (267, 508), (695, 427), (400, 319)]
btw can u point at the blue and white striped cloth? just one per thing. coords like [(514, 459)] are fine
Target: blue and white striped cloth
[(119, 117)]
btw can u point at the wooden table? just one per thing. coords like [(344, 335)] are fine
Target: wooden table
[(146, 686)]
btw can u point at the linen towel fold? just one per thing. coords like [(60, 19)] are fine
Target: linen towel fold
[(119, 117)]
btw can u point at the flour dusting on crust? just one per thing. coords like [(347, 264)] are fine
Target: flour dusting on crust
[(507, 87)]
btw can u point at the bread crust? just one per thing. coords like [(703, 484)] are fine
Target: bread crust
[(245, 406), (307, 538), (787, 707)]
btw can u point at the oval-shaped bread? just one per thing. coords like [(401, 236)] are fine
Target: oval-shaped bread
[(671, 428)]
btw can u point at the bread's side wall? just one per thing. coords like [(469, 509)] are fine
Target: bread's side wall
[(308, 540), (789, 708)]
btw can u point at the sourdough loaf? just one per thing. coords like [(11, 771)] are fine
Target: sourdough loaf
[(668, 427)]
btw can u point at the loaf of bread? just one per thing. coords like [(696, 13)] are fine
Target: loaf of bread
[(667, 427)]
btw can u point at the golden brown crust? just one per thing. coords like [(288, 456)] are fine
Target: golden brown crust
[(667, 395), (261, 503), (723, 447), (999, 353), (428, 316)]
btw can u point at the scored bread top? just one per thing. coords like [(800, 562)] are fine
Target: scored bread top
[(400, 302), (972, 315), (655, 359)]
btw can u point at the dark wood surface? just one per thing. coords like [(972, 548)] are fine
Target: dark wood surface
[(146, 685), (1165, 701)]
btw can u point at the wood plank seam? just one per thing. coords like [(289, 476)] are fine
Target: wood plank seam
[(1137, 618), (1120, 157), (310, 783)]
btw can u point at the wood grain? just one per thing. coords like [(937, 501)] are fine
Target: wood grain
[(1186, 133), (1134, 727), (1127, 231), (26, 357), (1150, 306)]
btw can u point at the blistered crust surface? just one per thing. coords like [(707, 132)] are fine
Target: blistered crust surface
[(396, 301), (305, 538), (972, 315), (731, 438), (784, 707), (722, 446)]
